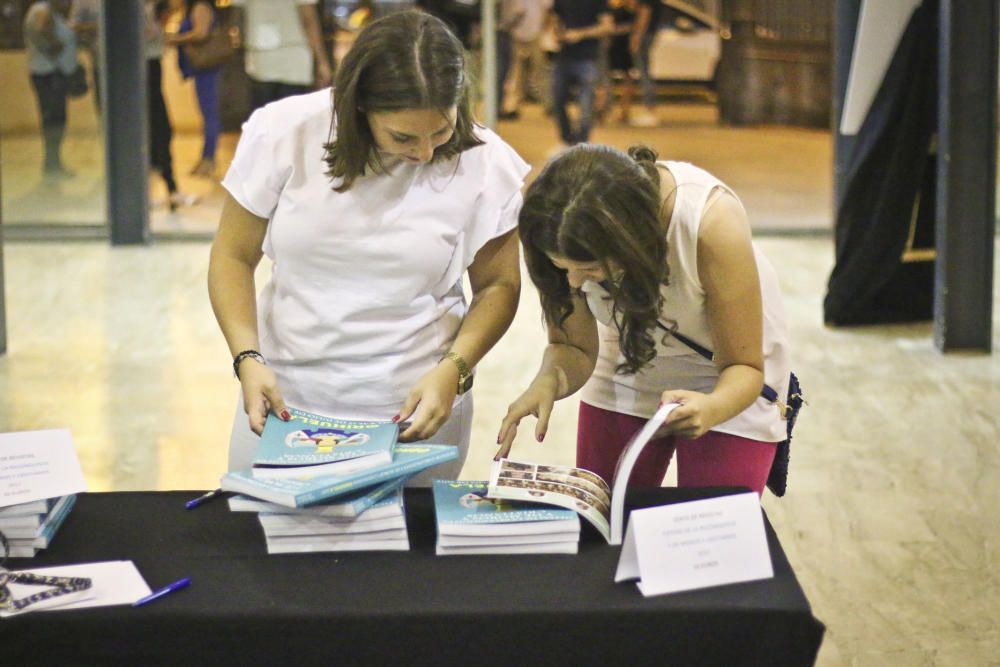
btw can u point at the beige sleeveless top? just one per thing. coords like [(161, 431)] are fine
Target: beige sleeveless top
[(677, 366)]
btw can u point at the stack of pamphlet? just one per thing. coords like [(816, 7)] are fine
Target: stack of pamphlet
[(31, 526), (372, 519), (40, 476), (306, 507), (468, 522)]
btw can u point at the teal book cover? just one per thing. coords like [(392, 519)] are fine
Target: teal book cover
[(55, 519), (464, 503), (304, 491), (382, 499), (309, 439)]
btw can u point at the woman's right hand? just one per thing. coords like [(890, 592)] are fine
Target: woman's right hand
[(261, 394), (537, 400)]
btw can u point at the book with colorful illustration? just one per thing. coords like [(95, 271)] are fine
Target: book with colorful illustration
[(312, 444), (305, 491), (468, 522)]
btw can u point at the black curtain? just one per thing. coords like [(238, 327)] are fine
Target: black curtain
[(889, 170)]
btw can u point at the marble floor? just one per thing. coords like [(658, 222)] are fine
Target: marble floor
[(895, 470)]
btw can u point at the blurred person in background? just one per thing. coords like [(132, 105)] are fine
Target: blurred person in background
[(198, 19), (527, 77), (581, 24), (84, 17), (647, 22), (160, 131), (284, 50), (510, 14), (51, 47), (620, 62)]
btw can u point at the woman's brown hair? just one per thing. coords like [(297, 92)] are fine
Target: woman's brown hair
[(406, 60), (597, 204)]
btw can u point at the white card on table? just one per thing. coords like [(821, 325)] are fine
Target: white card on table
[(38, 464), (695, 544)]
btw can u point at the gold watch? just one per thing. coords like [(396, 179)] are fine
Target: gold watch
[(464, 372)]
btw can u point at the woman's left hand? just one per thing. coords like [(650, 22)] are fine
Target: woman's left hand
[(692, 419), (429, 403)]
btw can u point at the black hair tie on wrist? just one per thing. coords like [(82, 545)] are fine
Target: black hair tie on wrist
[(245, 354)]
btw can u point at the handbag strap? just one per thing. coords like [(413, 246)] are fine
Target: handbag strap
[(767, 392)]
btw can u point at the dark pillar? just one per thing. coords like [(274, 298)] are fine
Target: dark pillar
[(966, 175), (3, 291), (845, 28), (125, 121)]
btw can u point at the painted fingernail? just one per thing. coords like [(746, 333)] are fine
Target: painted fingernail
[(395, 419), (541, 437), (286, 415)]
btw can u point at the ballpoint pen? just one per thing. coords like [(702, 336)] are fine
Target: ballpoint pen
[(176, 586), (191, 504)]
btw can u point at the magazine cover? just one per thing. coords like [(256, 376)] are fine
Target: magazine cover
[(463, 508), (309, 439)]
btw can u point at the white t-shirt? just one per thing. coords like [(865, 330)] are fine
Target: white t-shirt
[(677, 366), (275, 45), (529, 28), (366, 292)]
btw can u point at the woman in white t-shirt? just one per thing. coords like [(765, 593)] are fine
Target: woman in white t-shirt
[(644, 269), (373, 203)]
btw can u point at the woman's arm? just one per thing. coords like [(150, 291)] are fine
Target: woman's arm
[(605, 26), (309, 19), (236, 251), (567, 364), (728, 273), (495, 279)]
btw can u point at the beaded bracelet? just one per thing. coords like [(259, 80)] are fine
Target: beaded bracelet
[(246, 354)]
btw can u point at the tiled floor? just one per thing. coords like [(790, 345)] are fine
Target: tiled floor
[(889, 520)]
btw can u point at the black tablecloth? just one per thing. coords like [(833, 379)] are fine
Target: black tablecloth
[(390, 608)]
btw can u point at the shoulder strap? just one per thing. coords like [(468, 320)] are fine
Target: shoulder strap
[(767, 392)]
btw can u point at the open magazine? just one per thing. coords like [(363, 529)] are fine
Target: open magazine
[(575, 488)]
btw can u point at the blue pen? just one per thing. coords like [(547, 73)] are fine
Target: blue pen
[(191, 504), (176, 586)]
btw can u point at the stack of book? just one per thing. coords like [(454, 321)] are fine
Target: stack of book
[(329, 484), (31, 526), (468, 522), (372, 519)]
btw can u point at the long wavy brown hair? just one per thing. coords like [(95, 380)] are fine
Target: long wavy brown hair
[(597, 204), (406, 60)]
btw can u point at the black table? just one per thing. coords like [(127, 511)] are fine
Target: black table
[(390, 608)]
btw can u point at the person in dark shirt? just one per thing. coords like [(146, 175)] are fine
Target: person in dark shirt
[(581, 23)]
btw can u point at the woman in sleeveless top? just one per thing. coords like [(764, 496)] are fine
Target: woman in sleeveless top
[(639, 263)]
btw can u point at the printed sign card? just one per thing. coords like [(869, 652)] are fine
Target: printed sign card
[(38, 464), (695, 545)]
